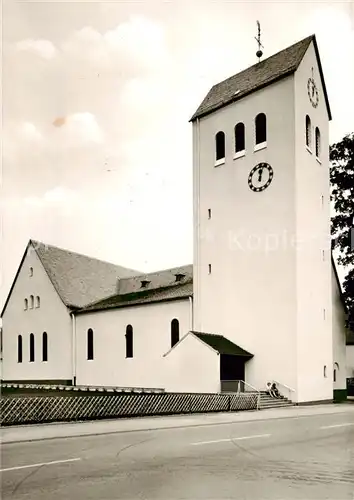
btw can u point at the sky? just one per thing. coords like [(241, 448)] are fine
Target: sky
[(97, 97)]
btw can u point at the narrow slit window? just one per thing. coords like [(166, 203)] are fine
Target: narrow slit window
[(26, 305), (318, 142), (31, 271), (209, 213), (220, 145), (89, 344), (261, 128), (19, 349), (239, 137), (209, 268), (308, 131), (38, 302), (31, 348), (129, 341), (44, 346), (31, 301), (174, 332)]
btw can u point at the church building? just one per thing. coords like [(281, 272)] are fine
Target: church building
[(261, 302)]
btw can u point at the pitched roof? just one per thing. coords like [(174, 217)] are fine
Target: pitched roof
[(176, 291), (259, 75), (78, 279), (221, 344)]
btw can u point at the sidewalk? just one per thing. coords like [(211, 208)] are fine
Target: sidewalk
[(77, 429)]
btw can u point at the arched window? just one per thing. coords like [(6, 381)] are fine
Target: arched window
[(26, 305), (44, 346), (31, 301), (261, 128), (19, 349), (129, 342), (31, 348), (220, 145), (38, 301), (318, 142), (174, 332), (31, 271), (239, 137), (308, 132), (90, 343)]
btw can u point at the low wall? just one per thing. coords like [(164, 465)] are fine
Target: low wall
[(26, 409)]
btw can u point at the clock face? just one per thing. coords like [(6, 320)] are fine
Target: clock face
[(260, 177), (312, 92)]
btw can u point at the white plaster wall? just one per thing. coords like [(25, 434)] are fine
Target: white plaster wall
[(339, 336), (52, 317), (349, 356), (192, 366), (250, 296), (152, 339), (313, 271)]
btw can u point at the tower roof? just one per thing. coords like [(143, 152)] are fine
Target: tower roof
[(261, 74)]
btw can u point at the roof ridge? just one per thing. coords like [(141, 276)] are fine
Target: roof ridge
[(36, 242), (254, 77), (276, 54)]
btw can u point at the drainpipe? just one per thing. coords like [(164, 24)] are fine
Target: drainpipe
[(73, 340), (191, 312)]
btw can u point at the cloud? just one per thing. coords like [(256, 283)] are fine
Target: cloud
[(29, 132), (59, 200), (133, 46), (42, 48), (78, 129)]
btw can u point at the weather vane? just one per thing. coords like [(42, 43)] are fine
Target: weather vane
[(259, 53)]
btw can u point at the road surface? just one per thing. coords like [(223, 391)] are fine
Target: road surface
[(214, 457)]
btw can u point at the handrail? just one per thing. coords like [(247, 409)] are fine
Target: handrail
[(249, 385), (242, 383), (284, 385)]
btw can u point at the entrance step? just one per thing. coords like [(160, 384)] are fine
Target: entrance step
[(266, 401)]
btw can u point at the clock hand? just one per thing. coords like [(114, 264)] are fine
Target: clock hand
[(313, 90), (260, 175)]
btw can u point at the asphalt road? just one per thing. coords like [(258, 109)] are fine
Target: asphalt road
[(302, 457)]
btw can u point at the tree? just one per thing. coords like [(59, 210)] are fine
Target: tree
[(342, 194)]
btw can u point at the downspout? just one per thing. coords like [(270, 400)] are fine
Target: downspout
[(73, 341), (191, 313)]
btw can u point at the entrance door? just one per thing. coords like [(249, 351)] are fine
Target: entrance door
[(232, 368)]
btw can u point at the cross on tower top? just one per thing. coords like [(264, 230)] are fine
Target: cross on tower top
[(259, 53)]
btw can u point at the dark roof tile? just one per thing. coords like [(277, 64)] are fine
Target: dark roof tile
[(79, 279), (256, 77), (145, 296), (221, 344)]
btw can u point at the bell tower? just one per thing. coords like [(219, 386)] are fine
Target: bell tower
[(262, 262)]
